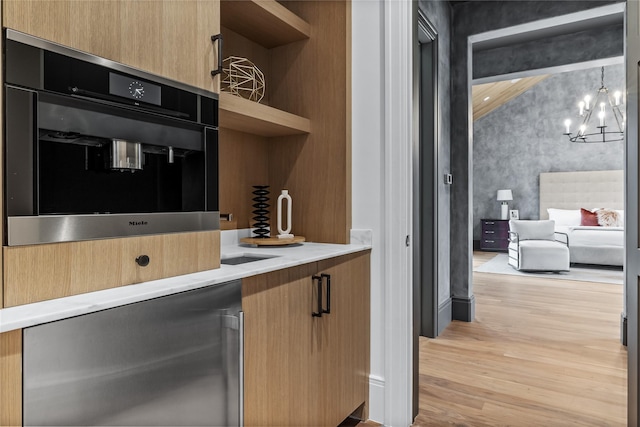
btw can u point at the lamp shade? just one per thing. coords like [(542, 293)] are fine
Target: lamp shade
[(504, 195)]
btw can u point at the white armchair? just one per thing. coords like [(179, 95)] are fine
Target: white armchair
[(536, 246)]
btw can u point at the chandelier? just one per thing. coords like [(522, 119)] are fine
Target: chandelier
[(605, 128)]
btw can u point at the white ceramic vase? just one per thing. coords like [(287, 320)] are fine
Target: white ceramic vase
[(282, 233)]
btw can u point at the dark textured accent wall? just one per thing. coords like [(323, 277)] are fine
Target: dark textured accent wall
[(590, 45), (468, 19), (516, 142), (438, 13)]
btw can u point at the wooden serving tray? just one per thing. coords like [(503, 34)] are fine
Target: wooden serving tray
[(272, 241)]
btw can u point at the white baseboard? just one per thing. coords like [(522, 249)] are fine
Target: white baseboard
[(376, 399)]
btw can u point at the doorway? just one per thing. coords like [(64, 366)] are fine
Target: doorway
[(425, 201), (630, 188)]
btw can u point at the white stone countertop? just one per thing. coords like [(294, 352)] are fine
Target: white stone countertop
[(282, 257)]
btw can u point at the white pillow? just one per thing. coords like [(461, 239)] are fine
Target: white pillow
[(565, 217), (608, 218)]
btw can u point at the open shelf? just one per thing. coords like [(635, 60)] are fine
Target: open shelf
[(247, 116), (265, 22)]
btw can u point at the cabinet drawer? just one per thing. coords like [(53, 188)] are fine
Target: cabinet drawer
[(494, 244), (495, 225), (495, 234), (42, 272)]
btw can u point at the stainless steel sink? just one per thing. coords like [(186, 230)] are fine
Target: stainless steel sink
[(243, 259)]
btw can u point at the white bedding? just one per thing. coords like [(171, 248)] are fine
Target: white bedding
[(593, 236), (595, 245)]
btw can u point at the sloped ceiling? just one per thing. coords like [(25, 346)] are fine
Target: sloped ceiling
[(489, 96)]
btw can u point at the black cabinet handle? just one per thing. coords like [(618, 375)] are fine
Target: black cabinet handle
[(218, 38), (328, 277), (320, 310)]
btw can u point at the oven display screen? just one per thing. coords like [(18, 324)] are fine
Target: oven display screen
[(135, 89)]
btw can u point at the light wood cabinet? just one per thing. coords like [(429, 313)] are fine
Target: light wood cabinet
[(11, 379), (300, 369), (281, 341), (266, 22), (42, 272), (347, 331), (171, 38), (303, 49)]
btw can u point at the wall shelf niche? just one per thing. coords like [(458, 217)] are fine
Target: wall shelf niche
[(265, 22), (247, 116)]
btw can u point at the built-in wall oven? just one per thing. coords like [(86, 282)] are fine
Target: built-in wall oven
[(96, 149)]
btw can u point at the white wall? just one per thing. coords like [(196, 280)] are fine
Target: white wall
[(368, 170), (381, 186)]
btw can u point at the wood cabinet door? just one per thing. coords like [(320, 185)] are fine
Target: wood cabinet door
[(346, 361), (11, 374), (283, 346), (300, 369), (42, 272), (171, 38)]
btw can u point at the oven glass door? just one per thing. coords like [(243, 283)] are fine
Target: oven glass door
[(75, 177)]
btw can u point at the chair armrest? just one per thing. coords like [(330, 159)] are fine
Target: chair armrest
[(566, 238), (514, 237)]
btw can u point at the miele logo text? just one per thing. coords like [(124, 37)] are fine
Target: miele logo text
[(138, 223)]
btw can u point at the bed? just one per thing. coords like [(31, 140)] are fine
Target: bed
[(563, 194)]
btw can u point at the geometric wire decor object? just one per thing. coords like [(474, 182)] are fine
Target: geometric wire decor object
[(242, 78), (609, 125)]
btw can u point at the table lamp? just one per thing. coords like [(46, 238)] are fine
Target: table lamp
[(504, 196)]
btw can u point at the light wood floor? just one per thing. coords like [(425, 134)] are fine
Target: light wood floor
[(541, 352)]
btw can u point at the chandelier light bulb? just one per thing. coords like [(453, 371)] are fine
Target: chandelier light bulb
[(600, 129), (616, 96)]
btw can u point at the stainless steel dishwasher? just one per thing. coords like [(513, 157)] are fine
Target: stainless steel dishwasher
[(170, 361)]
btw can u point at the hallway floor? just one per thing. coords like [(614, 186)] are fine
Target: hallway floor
[(541, 352)]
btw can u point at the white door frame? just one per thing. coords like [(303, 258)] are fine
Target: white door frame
[(399, 40)]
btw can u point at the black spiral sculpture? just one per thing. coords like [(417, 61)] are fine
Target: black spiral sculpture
[(261, 211)]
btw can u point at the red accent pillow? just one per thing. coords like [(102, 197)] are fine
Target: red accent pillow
[(588, 218)]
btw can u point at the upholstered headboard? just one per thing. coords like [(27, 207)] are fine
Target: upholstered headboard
[(575, 190)]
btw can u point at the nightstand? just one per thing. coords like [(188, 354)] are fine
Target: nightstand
[(495, 235)]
